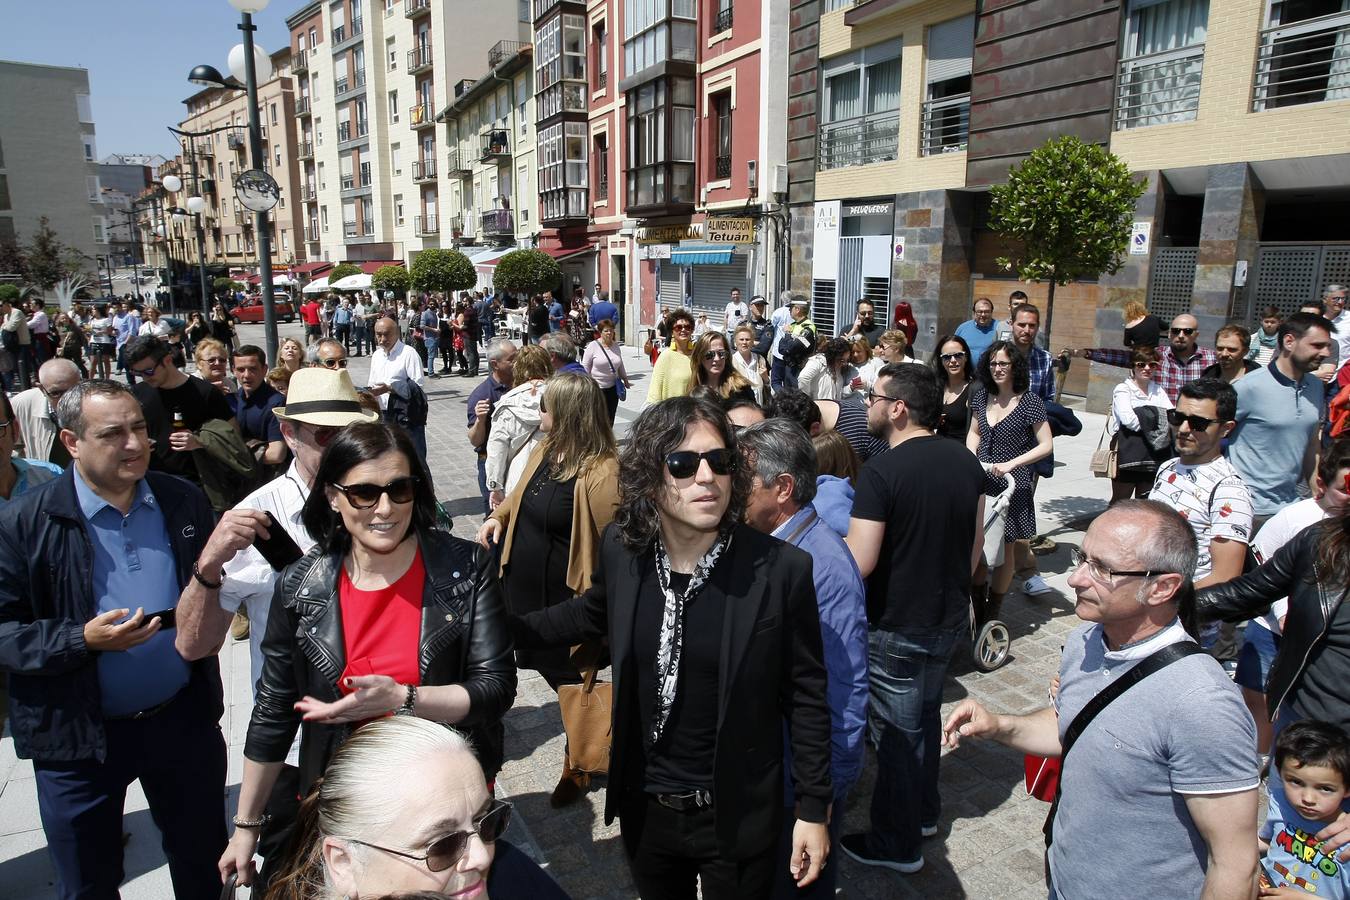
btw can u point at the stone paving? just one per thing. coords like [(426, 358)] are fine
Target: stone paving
[(989, 844)]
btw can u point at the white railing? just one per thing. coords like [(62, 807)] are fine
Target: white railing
[(1159, 88), (1305, 62)]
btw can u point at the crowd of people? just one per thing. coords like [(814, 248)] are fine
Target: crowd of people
[(775, 569)]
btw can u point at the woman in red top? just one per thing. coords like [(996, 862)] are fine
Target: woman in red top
[(385, 615)]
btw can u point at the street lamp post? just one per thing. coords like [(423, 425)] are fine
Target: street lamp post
[(196, 204)]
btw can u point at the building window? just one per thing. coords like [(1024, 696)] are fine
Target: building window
[(946, 109), (4, 192), (721, 105), (655, 31), (398, 209), (660, 160), (560, 74), (89, 151), (100, 230), (860, 122), (562, 171), (601, 167), (721, 16), (600, 39), (274, 114), (94, 188), (394, 163), (391, 51), (1160, 61), (323, 217), (1304, 55), (393, 106)]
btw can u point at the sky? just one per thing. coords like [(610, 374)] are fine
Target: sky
[(138, 53)]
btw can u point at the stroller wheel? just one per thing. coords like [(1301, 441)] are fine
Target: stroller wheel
[(991, 646)]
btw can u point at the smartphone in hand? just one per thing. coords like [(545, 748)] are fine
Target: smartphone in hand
[(279, 548)]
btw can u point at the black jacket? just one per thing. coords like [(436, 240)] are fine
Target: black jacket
[(1291, 572), (464, 641), (772, 672), (47, 596)]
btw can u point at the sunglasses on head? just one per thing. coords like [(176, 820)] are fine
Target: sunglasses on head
[(1186, 331), (364, 496), (1197, 423), (685, 463), (444, 852)]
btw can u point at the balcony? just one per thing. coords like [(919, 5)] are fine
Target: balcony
[(502, 51), (421, 116), (424, 225), (464, 226), (312, 232), (305, 150), (339, 34), (1303, 62), (1159, 88), (424, 170), (344, 131), (723, 21), (302, 106), (722, 167), (414, 8), (300, 61), (498, 222), (419, 59), (457, 166), (946, 125), (495, 144), (242, 218), (308, 193), (859, 143)]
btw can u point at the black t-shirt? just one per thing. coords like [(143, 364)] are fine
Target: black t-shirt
[(1146, 334), (683, 759), (926, 490), (539, 320), (198, 401)]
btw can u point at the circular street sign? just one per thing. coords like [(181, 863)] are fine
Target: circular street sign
[(257, 190)]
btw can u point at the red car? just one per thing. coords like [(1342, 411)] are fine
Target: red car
[(251, 310)]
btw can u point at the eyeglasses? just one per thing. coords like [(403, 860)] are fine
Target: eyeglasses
[(872, 396), (364, 496), (950, 357), (1098, 572), (685, 463), (1197, 423), (715, 354), (214, 361), (143, 373), (1186, 331), (999, 364), (444, 852), (339, 363), (1146, 366), (682, 326)]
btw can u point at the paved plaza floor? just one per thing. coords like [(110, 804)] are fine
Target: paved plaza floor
[(989, 844)]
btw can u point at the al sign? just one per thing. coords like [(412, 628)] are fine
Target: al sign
[(728, 230)]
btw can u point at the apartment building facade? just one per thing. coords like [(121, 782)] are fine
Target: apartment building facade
[(230, 229), (49, 158), (1236, 113), (370, 76)]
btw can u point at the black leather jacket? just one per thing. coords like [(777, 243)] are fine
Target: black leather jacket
[(1291, 572), (465, 640)]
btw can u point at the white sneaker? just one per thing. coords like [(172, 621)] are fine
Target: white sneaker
[(1035, 586)]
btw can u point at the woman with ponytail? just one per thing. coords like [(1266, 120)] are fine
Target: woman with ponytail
[(404, 808)]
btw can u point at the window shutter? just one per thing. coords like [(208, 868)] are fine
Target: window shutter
[(950, 47)]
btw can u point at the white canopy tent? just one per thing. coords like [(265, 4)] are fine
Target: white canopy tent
[(317, 286), (358, 282)]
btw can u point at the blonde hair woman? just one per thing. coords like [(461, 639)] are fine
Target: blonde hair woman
[(551, 521), (213, 364), (291, 354), (711, 367), (1140, 327), (749, 364), (515, 422)]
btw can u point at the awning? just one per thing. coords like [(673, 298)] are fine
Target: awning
[(486, 260), (701, 257), (317, 286), (310, 268), (562, 253), (372, 266), (352, 283)]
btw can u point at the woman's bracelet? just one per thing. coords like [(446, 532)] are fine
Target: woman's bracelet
[(251, 823)]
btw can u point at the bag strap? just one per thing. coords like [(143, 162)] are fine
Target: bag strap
[(609, 360), (1155, 661), (1102, 439)]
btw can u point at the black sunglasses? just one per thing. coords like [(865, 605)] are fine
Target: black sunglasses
[(685, 463), (948, 357), (334, 363), (1197, 423), (1185, 331), (364, 496), (444, 852)]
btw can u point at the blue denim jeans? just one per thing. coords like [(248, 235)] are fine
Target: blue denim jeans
[(433, 345), (904, 724)]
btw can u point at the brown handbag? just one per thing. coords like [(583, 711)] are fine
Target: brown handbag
[(587, 714), (1104, 459)]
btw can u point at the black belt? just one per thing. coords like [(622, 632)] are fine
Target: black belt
[(143, 714), (689, 800)]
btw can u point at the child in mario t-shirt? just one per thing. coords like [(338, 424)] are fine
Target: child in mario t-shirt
[(1313, 761)]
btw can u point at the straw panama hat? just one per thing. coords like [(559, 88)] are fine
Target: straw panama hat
[(320, 396)]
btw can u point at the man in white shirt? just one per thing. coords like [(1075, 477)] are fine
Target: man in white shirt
[(40, 327), (329, 403), (35, 411), (395, 369), (1334, 297), (153, 324), (734, 314), (360, 328), (780, 319)]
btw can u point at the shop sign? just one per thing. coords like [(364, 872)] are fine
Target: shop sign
[(870, 209), (728, 230), (669, 234), (658, 251)]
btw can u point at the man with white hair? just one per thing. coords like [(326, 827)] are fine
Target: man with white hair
[(35, 411)]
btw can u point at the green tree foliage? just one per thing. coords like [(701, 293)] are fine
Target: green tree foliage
[(12, 260), (392, 278), (1070, 205), (342, 270), (526, 272), (224, 284), (9, 293), (47, 257), (442, 271)]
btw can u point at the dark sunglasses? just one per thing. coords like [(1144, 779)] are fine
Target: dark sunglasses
[(1197, 423), (716, 354), (143, 373), (364, 496), (1186, 331), (334, 363), (443, 853), (323, 434), (685, 463), (948, 357)]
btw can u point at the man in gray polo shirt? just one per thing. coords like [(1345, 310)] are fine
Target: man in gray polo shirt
[(1182, 733)]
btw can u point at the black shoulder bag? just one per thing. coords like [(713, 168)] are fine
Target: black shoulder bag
[(1156, 661)]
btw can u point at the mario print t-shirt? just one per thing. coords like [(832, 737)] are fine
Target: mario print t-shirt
[(1297, 861)]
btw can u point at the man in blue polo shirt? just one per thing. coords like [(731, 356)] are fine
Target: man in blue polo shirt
[(100, 696), (1279, 409), (603, 309), (501, 357), (556, 313), (252, 406)]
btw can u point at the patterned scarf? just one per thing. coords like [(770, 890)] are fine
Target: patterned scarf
[(670, 642)]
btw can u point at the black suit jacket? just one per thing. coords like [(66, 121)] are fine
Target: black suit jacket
[(772, 672)]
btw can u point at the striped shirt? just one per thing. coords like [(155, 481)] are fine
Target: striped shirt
[(1213, 500)]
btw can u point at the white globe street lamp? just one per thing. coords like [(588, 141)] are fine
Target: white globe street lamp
[(250, 6), (262, 64), (196, 204), (172, 183)]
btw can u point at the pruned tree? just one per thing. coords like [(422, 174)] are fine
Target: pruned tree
[(443, 271), (526, 272), (392, 278), (342, 270), (1069, 205), (46, 256)]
